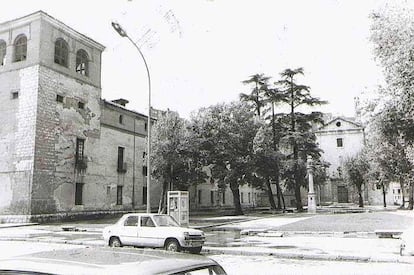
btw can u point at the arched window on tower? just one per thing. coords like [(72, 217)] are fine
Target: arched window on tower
[(3, 47), (20, 48), (82, 63), (61, 52)]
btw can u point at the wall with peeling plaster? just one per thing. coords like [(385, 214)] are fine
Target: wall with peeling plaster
[(38, 133), (17, 138)]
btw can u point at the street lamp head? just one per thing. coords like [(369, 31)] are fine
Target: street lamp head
[(119, 29)]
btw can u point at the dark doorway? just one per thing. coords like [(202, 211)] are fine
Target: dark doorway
[(342, 194)]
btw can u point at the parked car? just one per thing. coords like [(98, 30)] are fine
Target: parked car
[(98, 260), (153, 230), (407, 242)]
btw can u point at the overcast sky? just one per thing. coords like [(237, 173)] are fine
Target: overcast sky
[(199, 51)]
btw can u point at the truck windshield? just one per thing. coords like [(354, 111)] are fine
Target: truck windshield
[(165, 220)]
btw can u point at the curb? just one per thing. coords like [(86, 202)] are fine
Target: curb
[(223, 223), (300, 256), (10, 225)]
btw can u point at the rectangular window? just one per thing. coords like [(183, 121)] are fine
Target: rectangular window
[(119, 195), (108, 190), (78, 193), (241, 197), (144, 171), (59, 98), (121, 167), (3, 49), (121, 119), (339, 142), (80, 158), (224, 197), (81, 105), (144, 195), (212, 197), (15, 94), (248, 197), (131, 221), (145, 126), (199, 196)]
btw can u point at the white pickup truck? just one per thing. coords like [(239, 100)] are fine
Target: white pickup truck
[(153, 230)]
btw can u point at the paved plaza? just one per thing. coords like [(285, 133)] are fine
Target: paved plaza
[(347, 237)]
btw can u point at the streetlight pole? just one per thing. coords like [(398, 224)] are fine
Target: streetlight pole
[(123, 33)]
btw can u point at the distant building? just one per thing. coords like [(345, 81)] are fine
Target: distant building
[(339, 138), (64, 151)]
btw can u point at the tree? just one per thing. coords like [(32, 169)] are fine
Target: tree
[(260, 82), (226, 132), (392, 32), (266, 160), (302, 141), (273, 96), (356, 170), (388, 150), (173, 157)]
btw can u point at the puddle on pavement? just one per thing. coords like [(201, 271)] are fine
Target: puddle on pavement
[(227, 238), (282, 246)]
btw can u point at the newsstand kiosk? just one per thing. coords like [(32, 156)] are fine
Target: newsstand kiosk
[(177, 206)]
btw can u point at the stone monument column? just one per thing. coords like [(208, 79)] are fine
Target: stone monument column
[(311, 193)]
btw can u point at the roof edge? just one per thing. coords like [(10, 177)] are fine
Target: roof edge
[(40, 14), (343, 119)]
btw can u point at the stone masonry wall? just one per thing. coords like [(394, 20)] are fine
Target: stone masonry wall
[(58, 127), (17, 136)]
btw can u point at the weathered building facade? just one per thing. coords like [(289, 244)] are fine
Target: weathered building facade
[(64, 150), (339, 138)]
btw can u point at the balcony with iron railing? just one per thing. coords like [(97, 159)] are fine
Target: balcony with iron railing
[(122, 167), (81, 163)]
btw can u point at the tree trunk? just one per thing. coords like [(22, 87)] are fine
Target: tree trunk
[(384, 195), (236, 199), (402, 192), (298, 197), (360, 200), (279, 193), (295, 148), (411, 196), (275, 148), (270, 195), (161, 205), (283, 201)]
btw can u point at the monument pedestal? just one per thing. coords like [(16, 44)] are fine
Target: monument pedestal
[(311, 203)]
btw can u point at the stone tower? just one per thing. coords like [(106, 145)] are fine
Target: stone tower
[(50, 104)]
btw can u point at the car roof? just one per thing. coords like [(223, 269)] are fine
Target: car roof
[(106, 260)]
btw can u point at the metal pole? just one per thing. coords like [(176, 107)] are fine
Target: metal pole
[(123, 33), (133, 174)]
